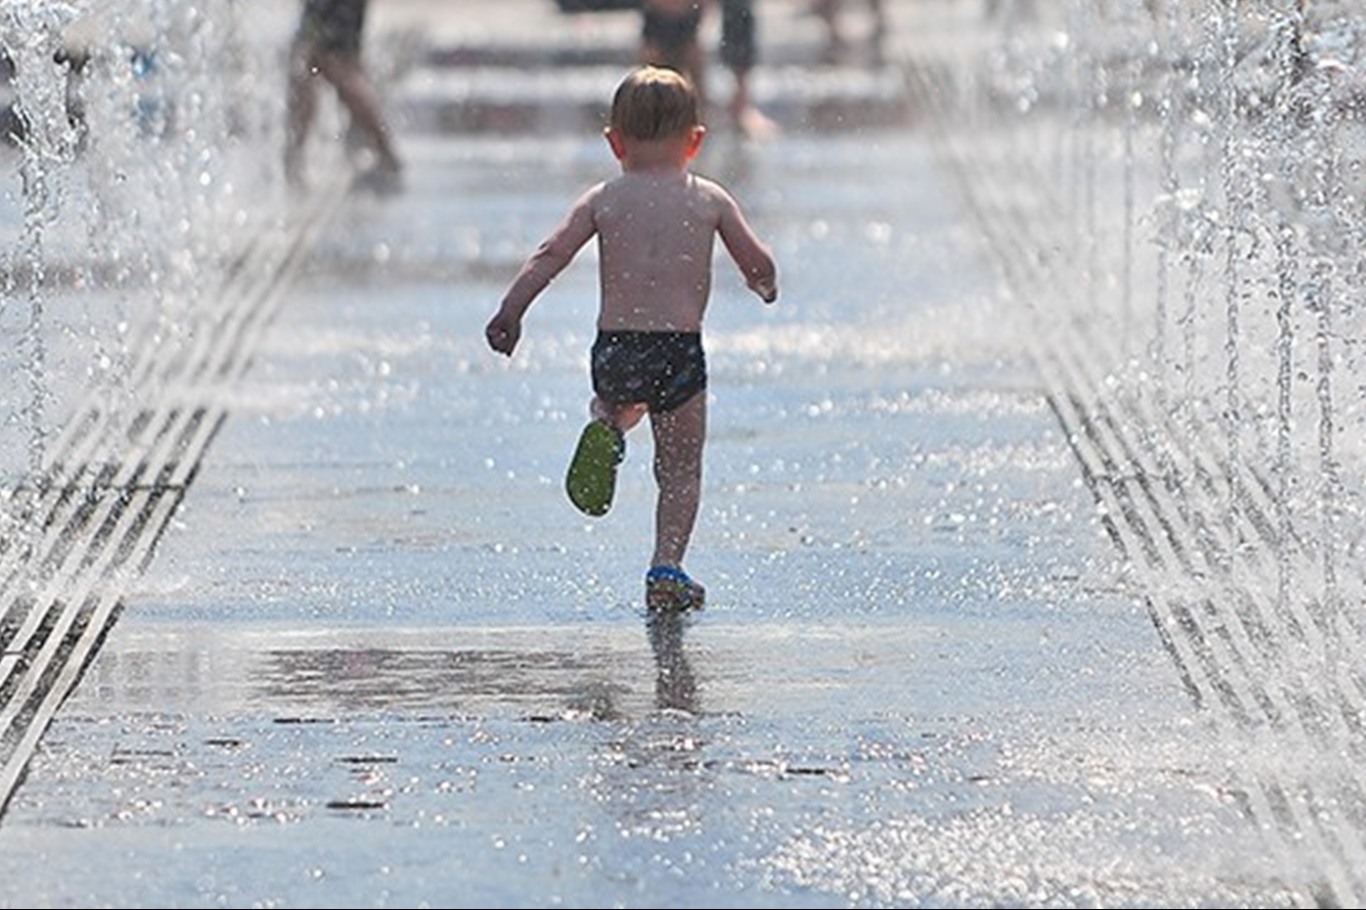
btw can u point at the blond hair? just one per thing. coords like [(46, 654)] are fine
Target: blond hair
[(654, 102)]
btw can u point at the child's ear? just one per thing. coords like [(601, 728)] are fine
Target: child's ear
[(695, 140), (614, 141)]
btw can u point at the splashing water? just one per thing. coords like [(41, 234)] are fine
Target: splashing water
[(137, 131), (1240, 125), (1202, 161), (48, 143)]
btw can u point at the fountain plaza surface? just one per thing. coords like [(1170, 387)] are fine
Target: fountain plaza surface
[(1030, 525)]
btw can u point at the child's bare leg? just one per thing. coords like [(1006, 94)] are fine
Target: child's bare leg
[(679, 435), (621, 416)]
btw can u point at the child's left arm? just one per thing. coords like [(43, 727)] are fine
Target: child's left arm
[(750, 254)]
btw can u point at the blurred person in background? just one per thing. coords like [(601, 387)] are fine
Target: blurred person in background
[(670, 37), (740, 53), (831, 13), (327, 45)]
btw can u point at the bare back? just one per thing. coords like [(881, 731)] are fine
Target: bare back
[(656, 236), (656, 228)]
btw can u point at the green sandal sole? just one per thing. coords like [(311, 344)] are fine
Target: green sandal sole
[(592, 477)]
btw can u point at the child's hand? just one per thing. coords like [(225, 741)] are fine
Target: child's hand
[(503, 333), (766, 288)]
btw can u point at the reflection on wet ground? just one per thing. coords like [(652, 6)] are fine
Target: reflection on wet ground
[(675, 685), (652, 761)]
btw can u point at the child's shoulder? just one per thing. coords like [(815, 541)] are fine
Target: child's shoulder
[(713, 190), (693, 192), (703, 182)]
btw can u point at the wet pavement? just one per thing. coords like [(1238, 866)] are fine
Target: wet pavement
[(379, 660)]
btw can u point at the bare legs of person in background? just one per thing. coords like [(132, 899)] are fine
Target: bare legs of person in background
[(669, 38), (830, 13), (343, 70), (739, 52), (1008, 9)]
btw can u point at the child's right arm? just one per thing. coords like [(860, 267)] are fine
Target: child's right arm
[(549, 259)]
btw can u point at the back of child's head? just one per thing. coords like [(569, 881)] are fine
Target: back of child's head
[(654, 102)]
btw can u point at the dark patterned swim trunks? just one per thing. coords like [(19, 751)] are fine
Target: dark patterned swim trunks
[(661, 369)]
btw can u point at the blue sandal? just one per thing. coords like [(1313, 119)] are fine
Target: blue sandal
[(670, 588)]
